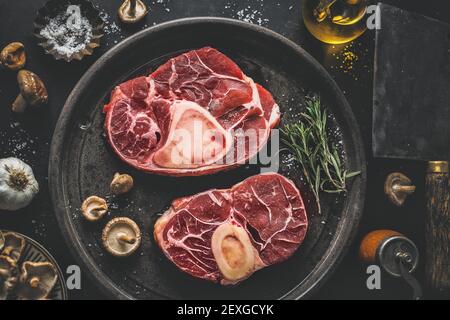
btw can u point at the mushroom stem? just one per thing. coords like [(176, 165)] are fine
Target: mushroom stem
[(2, 241), (123, 237), (34, 282), (20, 104), (132, 11), (132, 7), (96, 212), (405, 189)]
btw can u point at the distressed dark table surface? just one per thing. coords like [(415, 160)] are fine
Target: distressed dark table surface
[(29, 136)]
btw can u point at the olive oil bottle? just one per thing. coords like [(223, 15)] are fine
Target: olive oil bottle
[(335, 21)]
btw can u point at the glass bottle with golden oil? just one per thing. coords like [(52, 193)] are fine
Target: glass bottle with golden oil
[(335, 21)]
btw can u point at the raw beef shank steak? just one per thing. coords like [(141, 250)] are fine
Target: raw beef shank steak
[(226, 235), (190, 116)]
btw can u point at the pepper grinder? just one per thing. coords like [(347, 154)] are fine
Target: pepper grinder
[(396, 254)]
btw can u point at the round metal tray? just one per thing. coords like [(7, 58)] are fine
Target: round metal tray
[(82, 164)]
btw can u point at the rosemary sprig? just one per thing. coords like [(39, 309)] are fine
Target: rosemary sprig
[(319, 158)]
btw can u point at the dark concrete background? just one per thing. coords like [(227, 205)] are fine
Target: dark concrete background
[(29, 136)]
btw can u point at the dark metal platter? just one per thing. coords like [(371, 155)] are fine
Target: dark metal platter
[(82, 164)]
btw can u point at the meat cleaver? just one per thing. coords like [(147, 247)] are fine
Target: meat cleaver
[(411, 117)]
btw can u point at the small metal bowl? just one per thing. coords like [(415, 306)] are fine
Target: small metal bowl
[(54, 8)]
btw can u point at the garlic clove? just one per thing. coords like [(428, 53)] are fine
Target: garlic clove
[(233, 251), (94, 208)]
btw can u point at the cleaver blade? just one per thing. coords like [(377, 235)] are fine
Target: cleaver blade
[(411, 103)]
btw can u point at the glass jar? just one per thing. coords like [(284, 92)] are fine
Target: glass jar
[(335, 21)]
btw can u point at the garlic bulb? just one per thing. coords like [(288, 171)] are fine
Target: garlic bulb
[(18, 185)]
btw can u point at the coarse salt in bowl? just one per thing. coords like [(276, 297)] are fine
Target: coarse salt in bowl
[(68, 29)]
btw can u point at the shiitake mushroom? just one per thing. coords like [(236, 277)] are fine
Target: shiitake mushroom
[(13, 56), (32, 91), (132, 11), (36, 280), (121, 237), (398, 187), (94, 208), (121, 183)]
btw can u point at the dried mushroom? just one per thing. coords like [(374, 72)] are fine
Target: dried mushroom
[(94, 208), (2, 241), (121, 237), (13, 56), (36, 280), (132, 11), (32, 91), (8, 276), (13, 247), (121, 183), (397, 188)]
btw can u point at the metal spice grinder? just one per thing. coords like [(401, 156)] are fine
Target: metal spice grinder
[(397, 255)]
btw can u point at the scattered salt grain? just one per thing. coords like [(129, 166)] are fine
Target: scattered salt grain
[(67, 38), (247, 13), (110, 27)]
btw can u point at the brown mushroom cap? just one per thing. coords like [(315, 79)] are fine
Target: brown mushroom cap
[(132, 11), (94, 208), (121, 237), (8, 276), (13, 247), (13, 56), (397, 188), (121, 183), (2, 241), (36, 280), (32, 88)]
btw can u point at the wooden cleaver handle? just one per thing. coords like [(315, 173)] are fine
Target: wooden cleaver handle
[(437, 236)]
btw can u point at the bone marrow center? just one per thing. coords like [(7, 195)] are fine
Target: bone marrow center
[(233, 252)]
